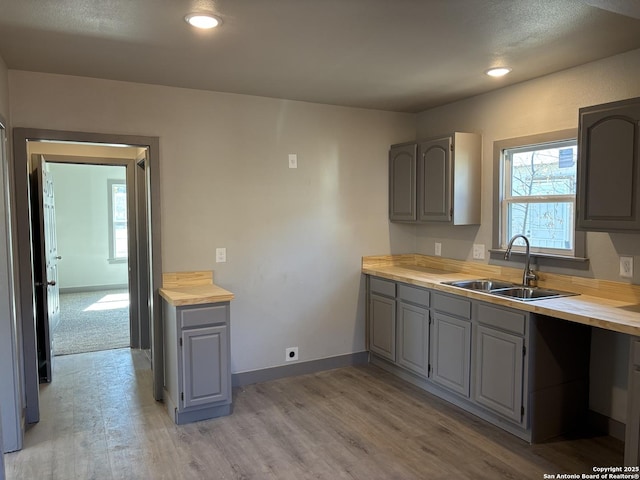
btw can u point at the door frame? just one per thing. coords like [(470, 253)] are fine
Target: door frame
[(134, 275), (150, 248)]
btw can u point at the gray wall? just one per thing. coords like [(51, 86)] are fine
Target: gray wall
[(82, 224), (543, 105), (294, 237)]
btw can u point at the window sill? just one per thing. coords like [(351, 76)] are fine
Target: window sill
[(117, 260), (565, 261)]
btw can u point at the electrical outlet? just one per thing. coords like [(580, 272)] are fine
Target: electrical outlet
[(478, 251), (221, 255), (293, 160), (291, 354), (438, 249), (626, 267)]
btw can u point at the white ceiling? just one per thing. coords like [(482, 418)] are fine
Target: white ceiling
[(400, 55)]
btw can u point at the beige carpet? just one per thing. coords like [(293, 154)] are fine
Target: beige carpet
[(91, 321)]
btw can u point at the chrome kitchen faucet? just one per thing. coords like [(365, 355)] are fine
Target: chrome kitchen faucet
[(527, 276)]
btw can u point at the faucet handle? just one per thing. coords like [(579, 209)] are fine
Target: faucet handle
[(530, 278)]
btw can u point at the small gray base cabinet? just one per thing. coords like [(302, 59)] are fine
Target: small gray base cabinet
[(632, 432), (197, 361), (511, 368)]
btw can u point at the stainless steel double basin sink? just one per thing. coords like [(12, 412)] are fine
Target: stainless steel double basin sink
[(509, 290)]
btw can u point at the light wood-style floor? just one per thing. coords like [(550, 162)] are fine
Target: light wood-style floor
[(99, 421)]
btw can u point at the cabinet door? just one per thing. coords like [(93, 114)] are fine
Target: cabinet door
[(434, 180), (413, 338), (402, 183), (608, 168), (499, 362), (205, 369), (632, 431), (451, 347), (382, 326)]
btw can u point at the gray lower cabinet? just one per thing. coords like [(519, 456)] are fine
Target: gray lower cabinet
[(413, 329), (197, 361), (632, 431), (382, 318), (512, 368), (451, 343), (499, 361)]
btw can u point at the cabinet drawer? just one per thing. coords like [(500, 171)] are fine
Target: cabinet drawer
[(413, 294), (507, 320), (196, 317), (452, 305), (635, 351), (382, 287)]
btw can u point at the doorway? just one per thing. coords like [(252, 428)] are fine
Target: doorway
[(140, 157), (92, 244)]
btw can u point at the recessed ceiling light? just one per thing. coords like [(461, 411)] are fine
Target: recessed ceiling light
[(202, 20), (498, 72)]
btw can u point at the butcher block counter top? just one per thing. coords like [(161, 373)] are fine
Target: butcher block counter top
[(192, 288), (609, 305)]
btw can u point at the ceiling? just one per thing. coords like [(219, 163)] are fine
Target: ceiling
[(399, 55)]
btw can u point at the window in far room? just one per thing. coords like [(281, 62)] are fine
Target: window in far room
[(118, 238), (536, 194)]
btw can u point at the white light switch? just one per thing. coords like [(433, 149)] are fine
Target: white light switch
[(221, 255), (293, 160), (438, 249)]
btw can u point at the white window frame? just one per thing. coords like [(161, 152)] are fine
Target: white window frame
[(502, 198)]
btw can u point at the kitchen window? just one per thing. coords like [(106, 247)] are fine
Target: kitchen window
[(118, 237), (536, 193)]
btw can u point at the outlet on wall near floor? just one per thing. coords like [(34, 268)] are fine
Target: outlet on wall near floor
[(221, 255), (626, 267), (291, 354), (478, 251), (438, 249)]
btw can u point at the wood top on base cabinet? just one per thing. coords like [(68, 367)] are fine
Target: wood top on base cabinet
[(608, 194), (436, 180)]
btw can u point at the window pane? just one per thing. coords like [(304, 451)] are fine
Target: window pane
[(547, 225), (119, 202), (120, 240), (549, 171)]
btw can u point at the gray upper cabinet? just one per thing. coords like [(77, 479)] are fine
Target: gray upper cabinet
[(608, 193), (437, 182), (402, 183), (434, 180)]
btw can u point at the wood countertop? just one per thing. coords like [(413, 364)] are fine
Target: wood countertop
[(192, 288), (609, 305)]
